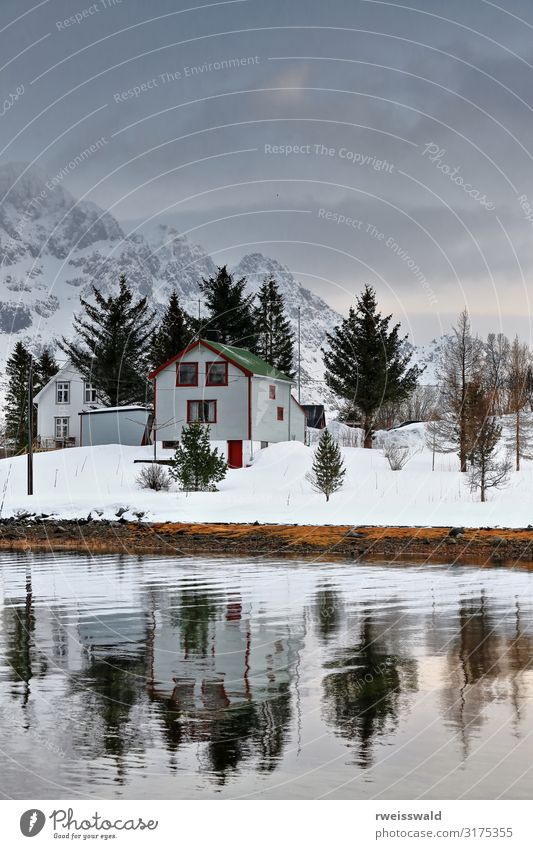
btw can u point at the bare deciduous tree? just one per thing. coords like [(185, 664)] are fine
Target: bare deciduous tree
[(496, 353), (487, 470), (459, 364), (517, 379)]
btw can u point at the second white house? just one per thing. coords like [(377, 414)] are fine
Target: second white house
[(59, 404), (240, 396)]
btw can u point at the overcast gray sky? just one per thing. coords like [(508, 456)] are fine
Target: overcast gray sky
[(412, 121)]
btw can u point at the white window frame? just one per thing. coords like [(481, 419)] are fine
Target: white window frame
[(89, 392), (62, 390), (211, 405), (62, 427)]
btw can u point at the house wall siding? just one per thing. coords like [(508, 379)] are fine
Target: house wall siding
[(265, 424)]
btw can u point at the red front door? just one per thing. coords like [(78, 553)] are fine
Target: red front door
[(235, 453)]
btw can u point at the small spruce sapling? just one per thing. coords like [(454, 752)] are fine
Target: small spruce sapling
[(196, 466), (328, 471)]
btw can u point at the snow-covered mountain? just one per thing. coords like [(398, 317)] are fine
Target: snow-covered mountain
[(52, 247)]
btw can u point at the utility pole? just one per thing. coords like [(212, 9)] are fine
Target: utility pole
[(299, 354), (30, 428)]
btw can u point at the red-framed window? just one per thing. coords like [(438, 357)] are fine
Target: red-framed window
[(216, 374), (202, 411), (186, 374), (272, 392), (280, 414)]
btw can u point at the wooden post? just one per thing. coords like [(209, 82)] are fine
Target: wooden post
[(30, 428)]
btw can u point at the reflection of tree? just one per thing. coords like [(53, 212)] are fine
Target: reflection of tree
[(327, 611), (23, 658), (196, 611), (362, 698), (230, 739), (484, 664), (254, 729), (109, 688), (273, 718)]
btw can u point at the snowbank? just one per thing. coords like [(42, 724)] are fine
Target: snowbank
[(77, 481)]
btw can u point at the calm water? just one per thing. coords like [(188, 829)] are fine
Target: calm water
[(161, 678)]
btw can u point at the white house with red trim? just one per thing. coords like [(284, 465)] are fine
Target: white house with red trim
[(240, 396)]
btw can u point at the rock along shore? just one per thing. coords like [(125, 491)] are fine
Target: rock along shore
[(476, 546)]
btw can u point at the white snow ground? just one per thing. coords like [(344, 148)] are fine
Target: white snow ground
[(76, 481)]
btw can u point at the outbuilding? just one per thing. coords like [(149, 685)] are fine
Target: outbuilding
[(129, 425)]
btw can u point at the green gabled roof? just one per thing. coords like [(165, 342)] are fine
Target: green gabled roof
[(247, 360)]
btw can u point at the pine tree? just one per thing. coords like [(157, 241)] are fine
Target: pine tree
[(16, 403), (173, 334), (366, 363), (112, 345), (274, 337), (328, 471), (230, 319), (196, 466), (45, 369)]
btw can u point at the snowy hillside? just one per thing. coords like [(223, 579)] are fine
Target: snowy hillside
[(76, 481)]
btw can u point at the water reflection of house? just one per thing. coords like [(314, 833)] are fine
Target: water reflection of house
[(117, 633), (236, 662)]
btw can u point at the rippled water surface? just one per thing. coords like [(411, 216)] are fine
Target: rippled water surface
[(162, 678)]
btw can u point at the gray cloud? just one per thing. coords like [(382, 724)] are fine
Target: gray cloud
[(372, 79)]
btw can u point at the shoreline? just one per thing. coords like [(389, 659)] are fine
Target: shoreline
[(475, 546)]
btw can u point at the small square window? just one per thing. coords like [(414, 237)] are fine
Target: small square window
[(216, 374), (187, 374), (280, 414), (272, 392)]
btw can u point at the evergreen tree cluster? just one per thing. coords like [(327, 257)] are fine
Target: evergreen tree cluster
[(19, 366), (234, 318)]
